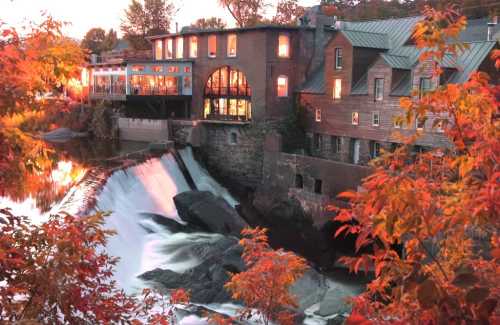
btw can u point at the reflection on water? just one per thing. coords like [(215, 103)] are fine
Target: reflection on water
[(36, 193)]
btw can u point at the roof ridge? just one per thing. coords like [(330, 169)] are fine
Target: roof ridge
[(362, 31), (381, 19)]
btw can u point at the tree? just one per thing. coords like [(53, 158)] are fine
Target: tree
[(265, 284), (110, 40), (288, 12), (58, 273), (441, 207), (146, 18), (93, 40), (209, 23)]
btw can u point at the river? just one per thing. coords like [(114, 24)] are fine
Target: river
[(132, 196)]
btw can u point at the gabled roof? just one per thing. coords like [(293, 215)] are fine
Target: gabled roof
[(470, 59), (396, 61), (361, 87), (367, 39), (403, 87), (316, 83)]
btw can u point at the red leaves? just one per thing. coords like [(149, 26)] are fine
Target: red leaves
[(266, 282)]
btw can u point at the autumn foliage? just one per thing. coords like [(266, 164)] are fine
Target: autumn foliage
[(264, 286), (432, 219)]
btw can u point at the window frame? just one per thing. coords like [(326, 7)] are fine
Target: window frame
[(337, 95), (317, 141), (169, 46), (191, 38), (281, 77), (287, 54), (375, 149), (158, 45), (338, 58), (353, 120), (376, 114), (179, 50), (417, 121), (378, 89), (317, 114), (336, 144), (421, 89), (209, 53), (229, 55)]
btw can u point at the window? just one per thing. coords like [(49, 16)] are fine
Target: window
[(338, 58), (299, 181), (318, 186), (337, 88), (231, 45), (355, 118), (170, 49), (157, 68), (158, 49), (187, 69), (318, 114), (374, 149), (317, 141), (212, 46), (440, 125), (173, 69), (187, 82), (137, 68), (282, 86), (336, 144), (398, 122), (193, 47), (233, 138), (379, 89), (420, 122), (424, 86), (179, 48), (375, 119), (283, 46)]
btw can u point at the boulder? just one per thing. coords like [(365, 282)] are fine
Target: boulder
[(62, 134), (211, 213), (206, 280), (309, 289)]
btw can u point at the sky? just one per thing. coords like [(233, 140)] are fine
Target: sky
[(85, 14)]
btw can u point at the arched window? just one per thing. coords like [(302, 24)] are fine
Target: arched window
[(227, 96)]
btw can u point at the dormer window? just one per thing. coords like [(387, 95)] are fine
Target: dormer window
[(338, 58), (212, 46), (379, 89), (158, 49), (193, 47), (283, 46), (231, 45), (282, 86), (169, 48), (179, 48)]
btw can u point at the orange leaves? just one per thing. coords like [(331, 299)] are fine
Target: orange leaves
[(266, 282), (495, 56)]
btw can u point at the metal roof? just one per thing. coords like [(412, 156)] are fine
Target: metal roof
[(469, 60), (367, 39), (403, 87), (398, 30), (361, 87), (396, 61), (315, 84)]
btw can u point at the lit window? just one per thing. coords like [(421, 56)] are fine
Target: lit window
[(375, 118), (282, 86), (212, 46), (173, 69), (187, 69), (158, 49), (355, 118), (187, 82), (169, 49), (179, 48), (193, 47), (379, 89), (337, 88), (284, 46), (231, 45), (420, 122), (338, 58), (318, 114), (137, 68), (336, 144), (157, 68)]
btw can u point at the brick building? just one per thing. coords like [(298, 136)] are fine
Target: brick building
[(236, 86)]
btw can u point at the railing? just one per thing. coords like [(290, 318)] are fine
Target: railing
[(154, 91), (222, 117)]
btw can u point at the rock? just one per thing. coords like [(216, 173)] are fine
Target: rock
[(172, 225), (205, 281), (209, 212), (62, 134), (337, 320), (335, 302), (309, 289)]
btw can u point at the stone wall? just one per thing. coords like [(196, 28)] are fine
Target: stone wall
[(235, 150)]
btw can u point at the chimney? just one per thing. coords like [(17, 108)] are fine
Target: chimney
[(176, 27), (319, 21), (491, 26)]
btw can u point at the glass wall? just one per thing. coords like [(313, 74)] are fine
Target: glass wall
[(154, 85), (227, 96)]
